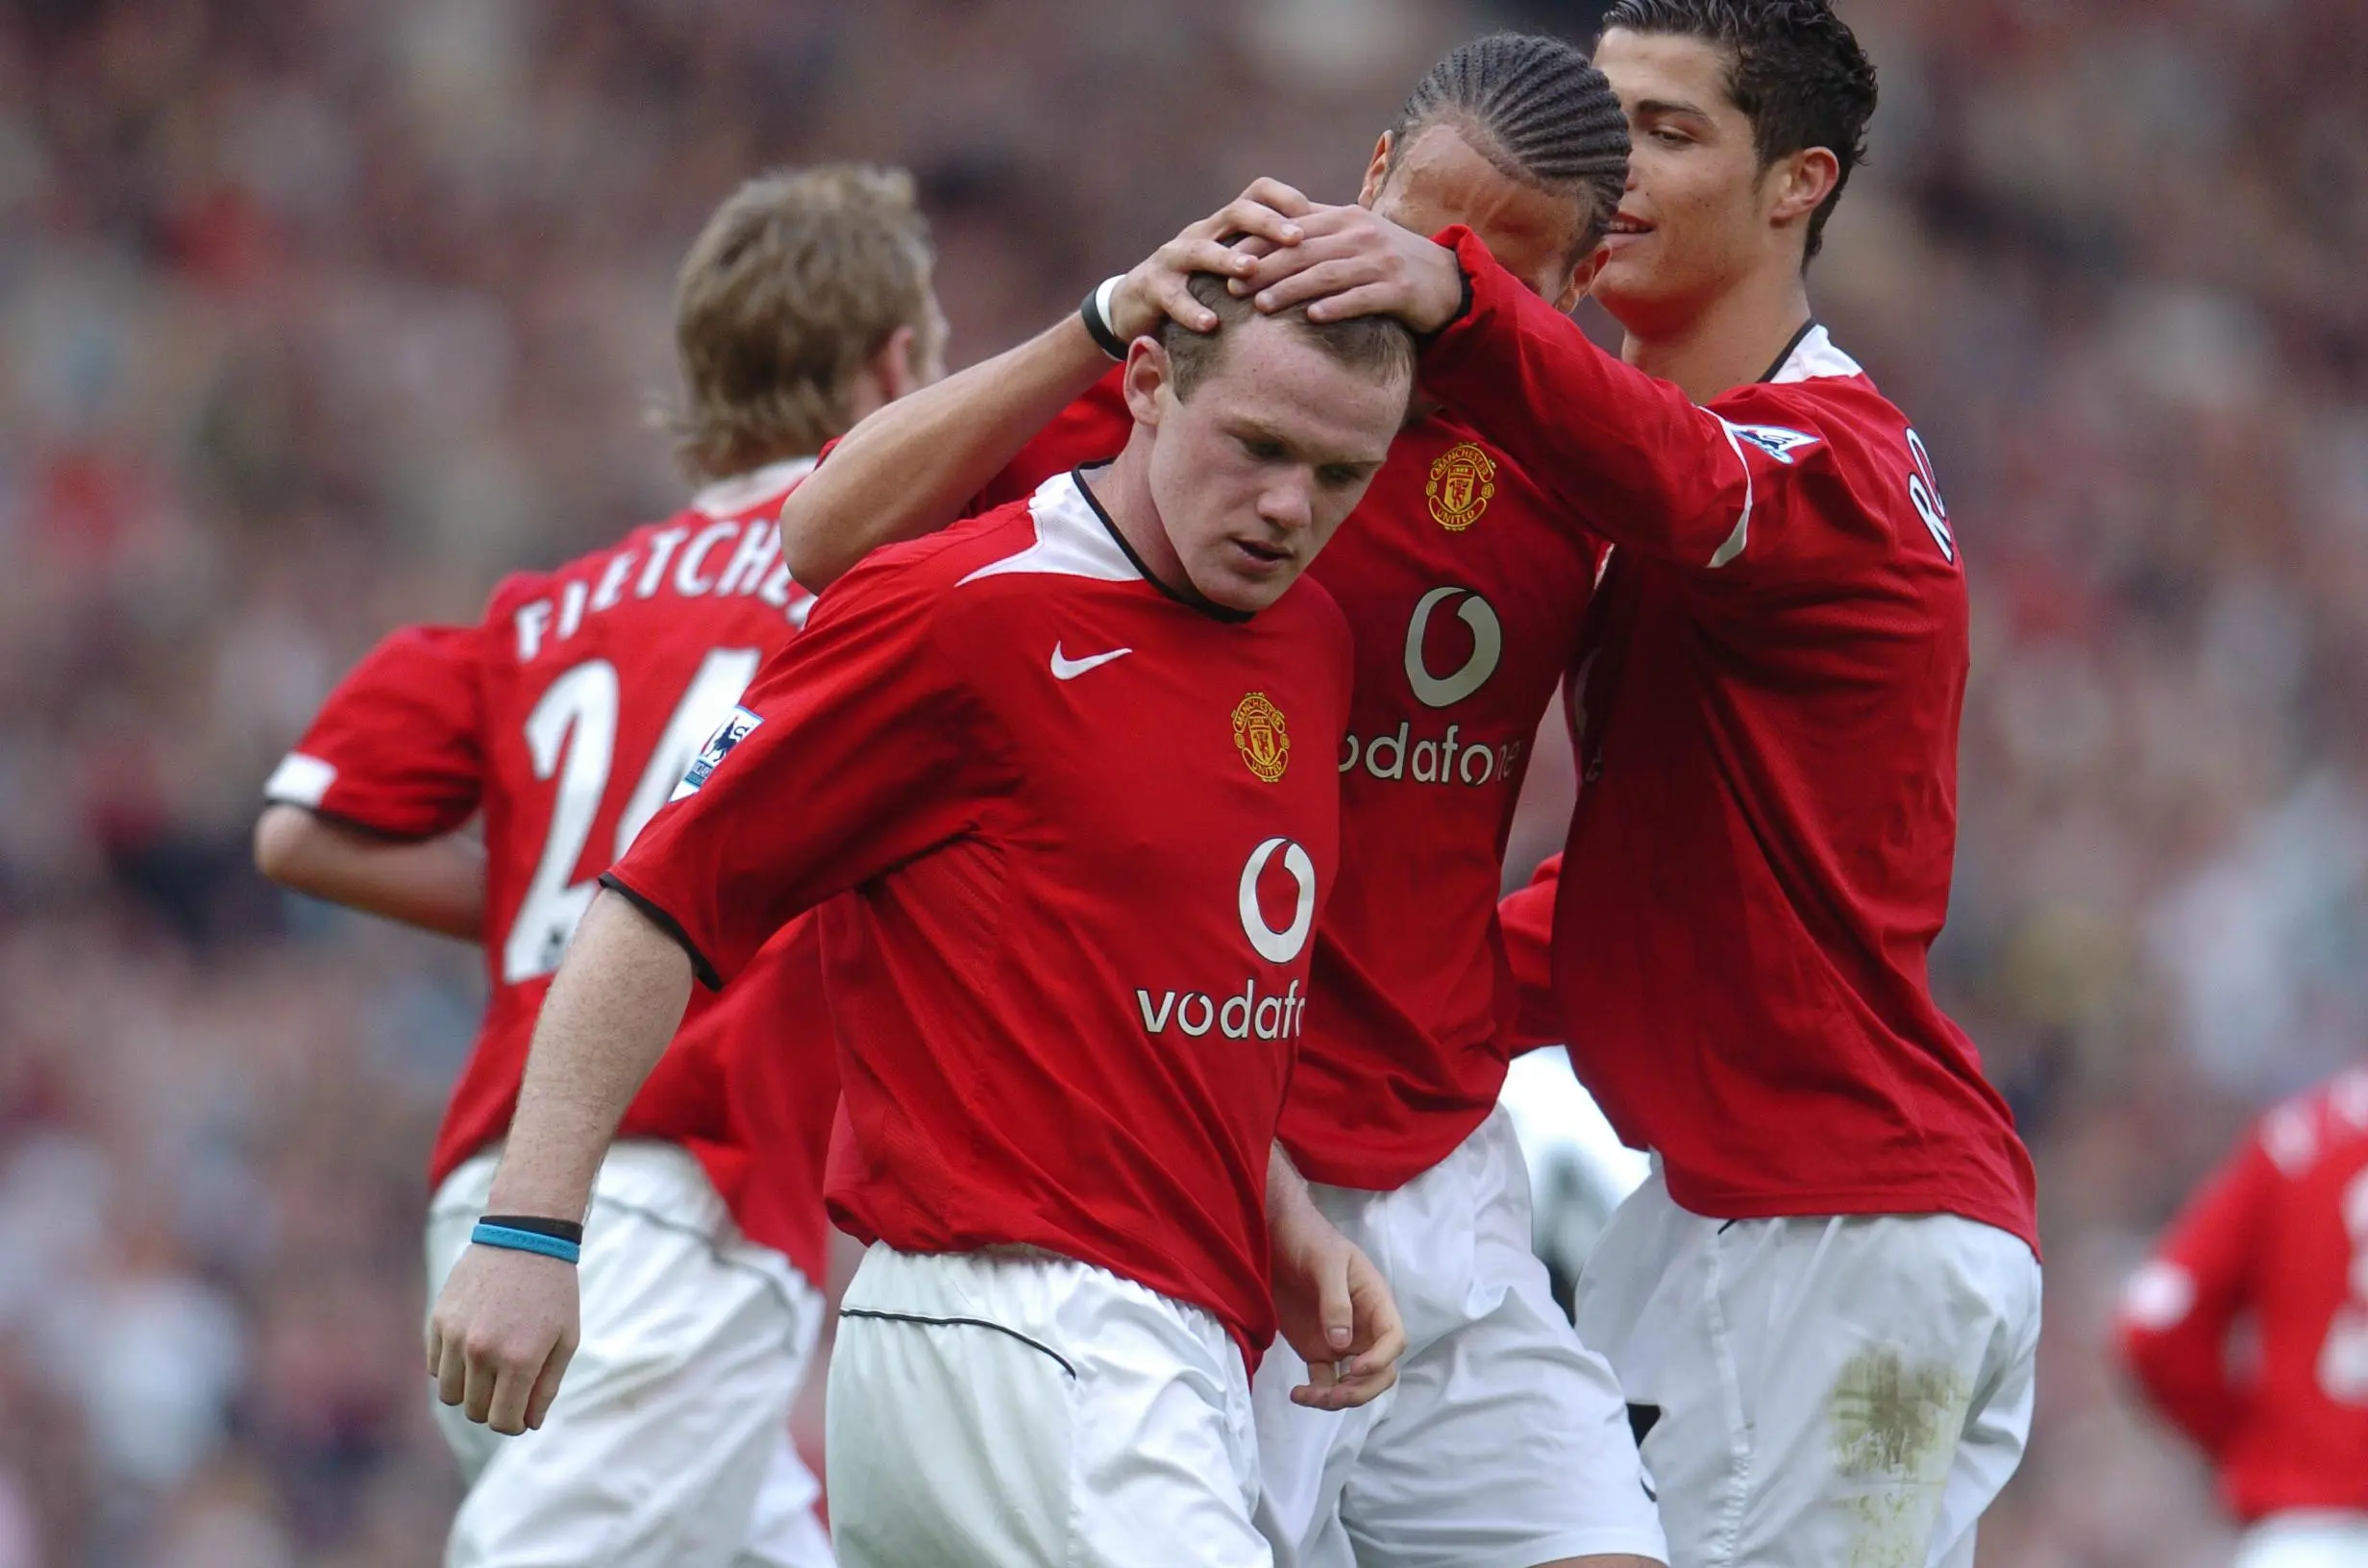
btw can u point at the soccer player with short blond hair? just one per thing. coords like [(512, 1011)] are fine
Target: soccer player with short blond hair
[(564, 717)]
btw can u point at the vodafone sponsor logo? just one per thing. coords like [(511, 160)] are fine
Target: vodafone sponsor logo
[(1250, 1015), (1273, 945), (1400, 754), (1445, 759), (1488, 648), (1246, 1016)]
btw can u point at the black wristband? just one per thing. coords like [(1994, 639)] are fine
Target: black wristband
[(565, 1230), (1098, 326)]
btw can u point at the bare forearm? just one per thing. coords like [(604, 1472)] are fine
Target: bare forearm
[(1286, 1189), (614, 1004), (436, 884), (908, 469)]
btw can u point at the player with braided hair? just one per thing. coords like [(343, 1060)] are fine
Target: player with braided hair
[(1505, 1442), (1824, 1303), (1521, 102)]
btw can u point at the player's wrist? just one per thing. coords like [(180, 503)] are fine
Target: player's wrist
[(1446, 291), (559, 1238), (1095, 311)]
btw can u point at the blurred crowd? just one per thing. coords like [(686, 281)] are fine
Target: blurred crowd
[(317, 316)]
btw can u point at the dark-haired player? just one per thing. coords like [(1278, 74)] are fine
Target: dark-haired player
[(1073, 762), (1505, 1442), (1824, 1305), (2278, 1236), (566, 717)]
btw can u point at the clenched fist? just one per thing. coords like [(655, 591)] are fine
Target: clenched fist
[(504, 1329)]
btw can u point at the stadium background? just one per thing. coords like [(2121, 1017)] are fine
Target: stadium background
[(316, 315)]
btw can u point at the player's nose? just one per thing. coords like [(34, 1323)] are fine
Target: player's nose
[(1288, 503)]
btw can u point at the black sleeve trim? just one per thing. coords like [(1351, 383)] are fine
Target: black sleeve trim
[(708, 975)]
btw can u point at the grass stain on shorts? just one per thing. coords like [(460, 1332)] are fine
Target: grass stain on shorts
[(1896, 1425)]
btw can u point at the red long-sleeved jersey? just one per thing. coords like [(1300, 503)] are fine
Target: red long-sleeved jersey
[(1766, 701), (2280, 1234)]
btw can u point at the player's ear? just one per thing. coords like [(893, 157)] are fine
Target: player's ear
[(1582, 278), (894, 367), (1798, 181), (1376, 171), (1149, 370)]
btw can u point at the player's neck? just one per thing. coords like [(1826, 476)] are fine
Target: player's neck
[(1732, 341), (1124, 490)]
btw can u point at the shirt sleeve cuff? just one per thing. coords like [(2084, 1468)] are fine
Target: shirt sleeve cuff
[(1447, 349), (708, 974)]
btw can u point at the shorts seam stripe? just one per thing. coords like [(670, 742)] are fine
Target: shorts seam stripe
[(715, 1251), (1059, 1358)]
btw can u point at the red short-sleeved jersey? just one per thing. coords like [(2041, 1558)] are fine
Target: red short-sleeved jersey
[(1766, 701), (1464, 586), (2280, 1234), (1088, 829), (567, 716)]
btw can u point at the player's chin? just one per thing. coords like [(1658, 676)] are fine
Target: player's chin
[(1244, 578), (1624, 274)]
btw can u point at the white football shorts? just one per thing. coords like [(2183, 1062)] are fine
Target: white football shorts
[(1817, 1392), (1505, 1442), (2306, 1538), (1010, 1409), (669, 1443)]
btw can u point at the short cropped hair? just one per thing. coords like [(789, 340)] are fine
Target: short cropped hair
[(1538, 110), (1380, 347), (1796, 72), (798, 280)]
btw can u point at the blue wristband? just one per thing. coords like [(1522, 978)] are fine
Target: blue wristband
[(489, 1234)]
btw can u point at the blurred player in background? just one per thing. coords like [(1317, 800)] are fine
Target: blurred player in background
[(1506, 1441), (1072, 761), (2278, 1237), (566, 717), (1824, 1305)]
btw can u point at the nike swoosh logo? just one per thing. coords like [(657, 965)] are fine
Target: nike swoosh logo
[(1068, 669)]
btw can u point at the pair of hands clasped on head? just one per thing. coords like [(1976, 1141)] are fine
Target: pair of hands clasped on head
[(1285, 250)]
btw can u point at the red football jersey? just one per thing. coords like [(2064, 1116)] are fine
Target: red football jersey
[(1464, 586), (1766, 704), (2279, 1234), (1088, 829), (567, 716)]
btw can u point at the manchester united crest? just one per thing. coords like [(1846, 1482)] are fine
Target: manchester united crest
[(1258, 730), (1463, 480)]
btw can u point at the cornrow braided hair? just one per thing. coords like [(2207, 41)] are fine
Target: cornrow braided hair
[(1535, 107), (1798, 74)]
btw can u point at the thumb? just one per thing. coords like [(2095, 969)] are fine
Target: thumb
[(1335, 1307)]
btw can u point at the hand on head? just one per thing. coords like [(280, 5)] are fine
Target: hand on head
[(1265, 215), (1274, 243)]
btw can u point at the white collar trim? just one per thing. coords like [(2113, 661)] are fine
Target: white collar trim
[(1814, 358), (1072, 540), (729, 497)]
